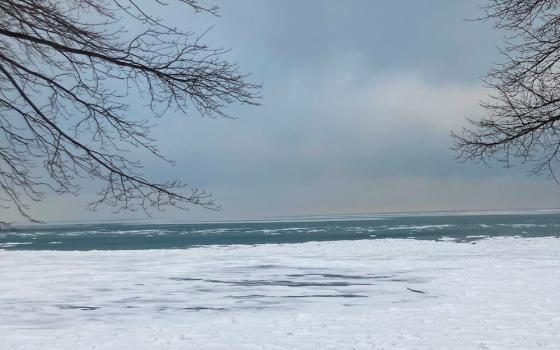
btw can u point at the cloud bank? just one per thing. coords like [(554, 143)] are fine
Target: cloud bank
[(358, 105)]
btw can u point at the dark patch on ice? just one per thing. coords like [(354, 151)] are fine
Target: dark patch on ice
[(326, 296), (341, 276), (415, 290), (343, 280), (202, 308), (400, 279), (185, 279), (260, 296), (249, 296), (266, 266), (286, 283), (77, 307), (192, 308)]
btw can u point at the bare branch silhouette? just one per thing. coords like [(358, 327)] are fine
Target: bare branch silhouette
[(66, 68), (522, 115)]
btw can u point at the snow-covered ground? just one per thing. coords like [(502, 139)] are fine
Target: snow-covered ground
[(499, 293)]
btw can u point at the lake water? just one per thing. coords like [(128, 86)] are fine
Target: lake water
[(370, 282), (126, 236)]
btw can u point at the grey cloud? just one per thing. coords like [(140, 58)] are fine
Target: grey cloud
[(359, 100)]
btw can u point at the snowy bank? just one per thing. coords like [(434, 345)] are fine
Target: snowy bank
[(499, 293)]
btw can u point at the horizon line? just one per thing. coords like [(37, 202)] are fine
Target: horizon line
[(298, 218)]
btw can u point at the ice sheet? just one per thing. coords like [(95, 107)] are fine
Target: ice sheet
[(499, 293)]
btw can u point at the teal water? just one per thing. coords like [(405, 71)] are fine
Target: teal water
[(132, 236)]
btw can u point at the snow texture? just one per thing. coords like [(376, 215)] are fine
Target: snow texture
[(498, 293)]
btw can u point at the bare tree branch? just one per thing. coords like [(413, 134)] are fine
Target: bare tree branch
[(522, 116), (66, 68)]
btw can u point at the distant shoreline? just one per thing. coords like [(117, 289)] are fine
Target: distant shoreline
[(300, 218)]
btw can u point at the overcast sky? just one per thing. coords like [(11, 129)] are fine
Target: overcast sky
[(359, 99)]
